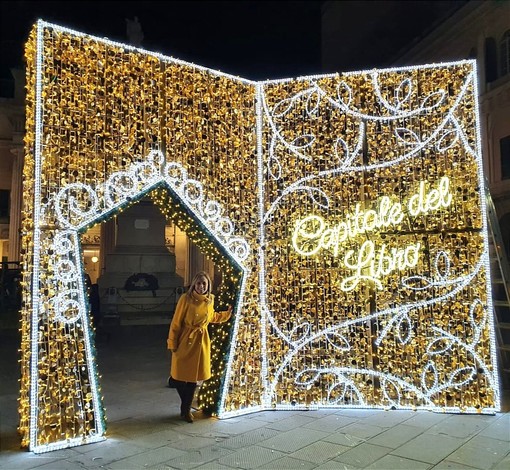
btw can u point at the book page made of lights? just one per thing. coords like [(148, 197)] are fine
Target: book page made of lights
[(346, 212)]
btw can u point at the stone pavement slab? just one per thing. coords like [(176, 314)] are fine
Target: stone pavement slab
[(362, 455), (394, 462), (431, 448), (480, 452), (319, 452), (145, 431)]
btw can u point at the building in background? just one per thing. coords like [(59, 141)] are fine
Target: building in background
[(367, 34), (12, 128)]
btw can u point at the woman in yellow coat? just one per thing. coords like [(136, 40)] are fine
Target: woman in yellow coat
[(189, 341)]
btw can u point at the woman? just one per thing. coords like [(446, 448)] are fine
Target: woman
[(189, 341)]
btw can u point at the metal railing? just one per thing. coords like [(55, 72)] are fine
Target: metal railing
[(500, 305)]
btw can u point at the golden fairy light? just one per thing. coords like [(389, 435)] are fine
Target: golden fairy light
[(344, 211)]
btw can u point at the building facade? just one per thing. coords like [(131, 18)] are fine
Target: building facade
[(12, 126), (480, 30)]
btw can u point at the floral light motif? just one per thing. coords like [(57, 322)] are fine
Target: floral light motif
[(402, 112)]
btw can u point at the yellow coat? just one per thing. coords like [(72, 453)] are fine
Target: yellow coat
[(188, 335)]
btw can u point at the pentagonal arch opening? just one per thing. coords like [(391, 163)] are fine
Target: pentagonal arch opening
[(121, 293)]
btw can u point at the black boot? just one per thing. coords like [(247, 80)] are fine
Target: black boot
[(181, 390), (189, 393)]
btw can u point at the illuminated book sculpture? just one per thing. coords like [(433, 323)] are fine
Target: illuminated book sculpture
[(348, 210)]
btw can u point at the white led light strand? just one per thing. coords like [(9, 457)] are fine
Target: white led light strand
[(418, 143), (128, 47), (123, 186), (485, 232), (264, 313), (396, 314), (34, 332), (232, 351), (79, 205)]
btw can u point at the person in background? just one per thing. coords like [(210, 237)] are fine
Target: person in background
[(188, 339), (95, 305)]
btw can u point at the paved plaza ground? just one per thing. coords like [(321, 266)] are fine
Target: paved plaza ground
[(145, 431)]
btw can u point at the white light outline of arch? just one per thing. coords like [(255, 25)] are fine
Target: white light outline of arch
[(179, 194), (75, 230), (151, 183), (41, 25)]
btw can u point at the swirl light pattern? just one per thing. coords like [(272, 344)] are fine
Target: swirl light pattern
[(352, 204), (411, 340), (78, 205)]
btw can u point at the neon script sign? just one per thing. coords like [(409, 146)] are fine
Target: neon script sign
[(312, 234)]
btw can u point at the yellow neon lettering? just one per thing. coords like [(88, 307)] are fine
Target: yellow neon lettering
[(384, 209), (444, 191), (372, 265), (433, 200), (386, 262), (312, 234), (329, 240), (364, 260), (302, 232), (424, 202), (396, 214), (412, 253), (369, 220)]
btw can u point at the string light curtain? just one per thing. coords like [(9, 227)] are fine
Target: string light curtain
[(345, 212)]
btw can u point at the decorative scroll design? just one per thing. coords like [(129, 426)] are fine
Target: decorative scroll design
[(443, 137), (78, 205), (69, 301), (448, 282)]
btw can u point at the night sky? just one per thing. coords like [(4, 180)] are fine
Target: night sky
[(252, 39)]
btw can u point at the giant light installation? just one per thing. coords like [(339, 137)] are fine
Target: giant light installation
[(347, 211)]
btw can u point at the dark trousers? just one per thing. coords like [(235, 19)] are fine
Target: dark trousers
[(186, 391)]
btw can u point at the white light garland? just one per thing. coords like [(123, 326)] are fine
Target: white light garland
[(34, 332)]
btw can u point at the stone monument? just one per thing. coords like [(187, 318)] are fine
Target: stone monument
[(139, 283)]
